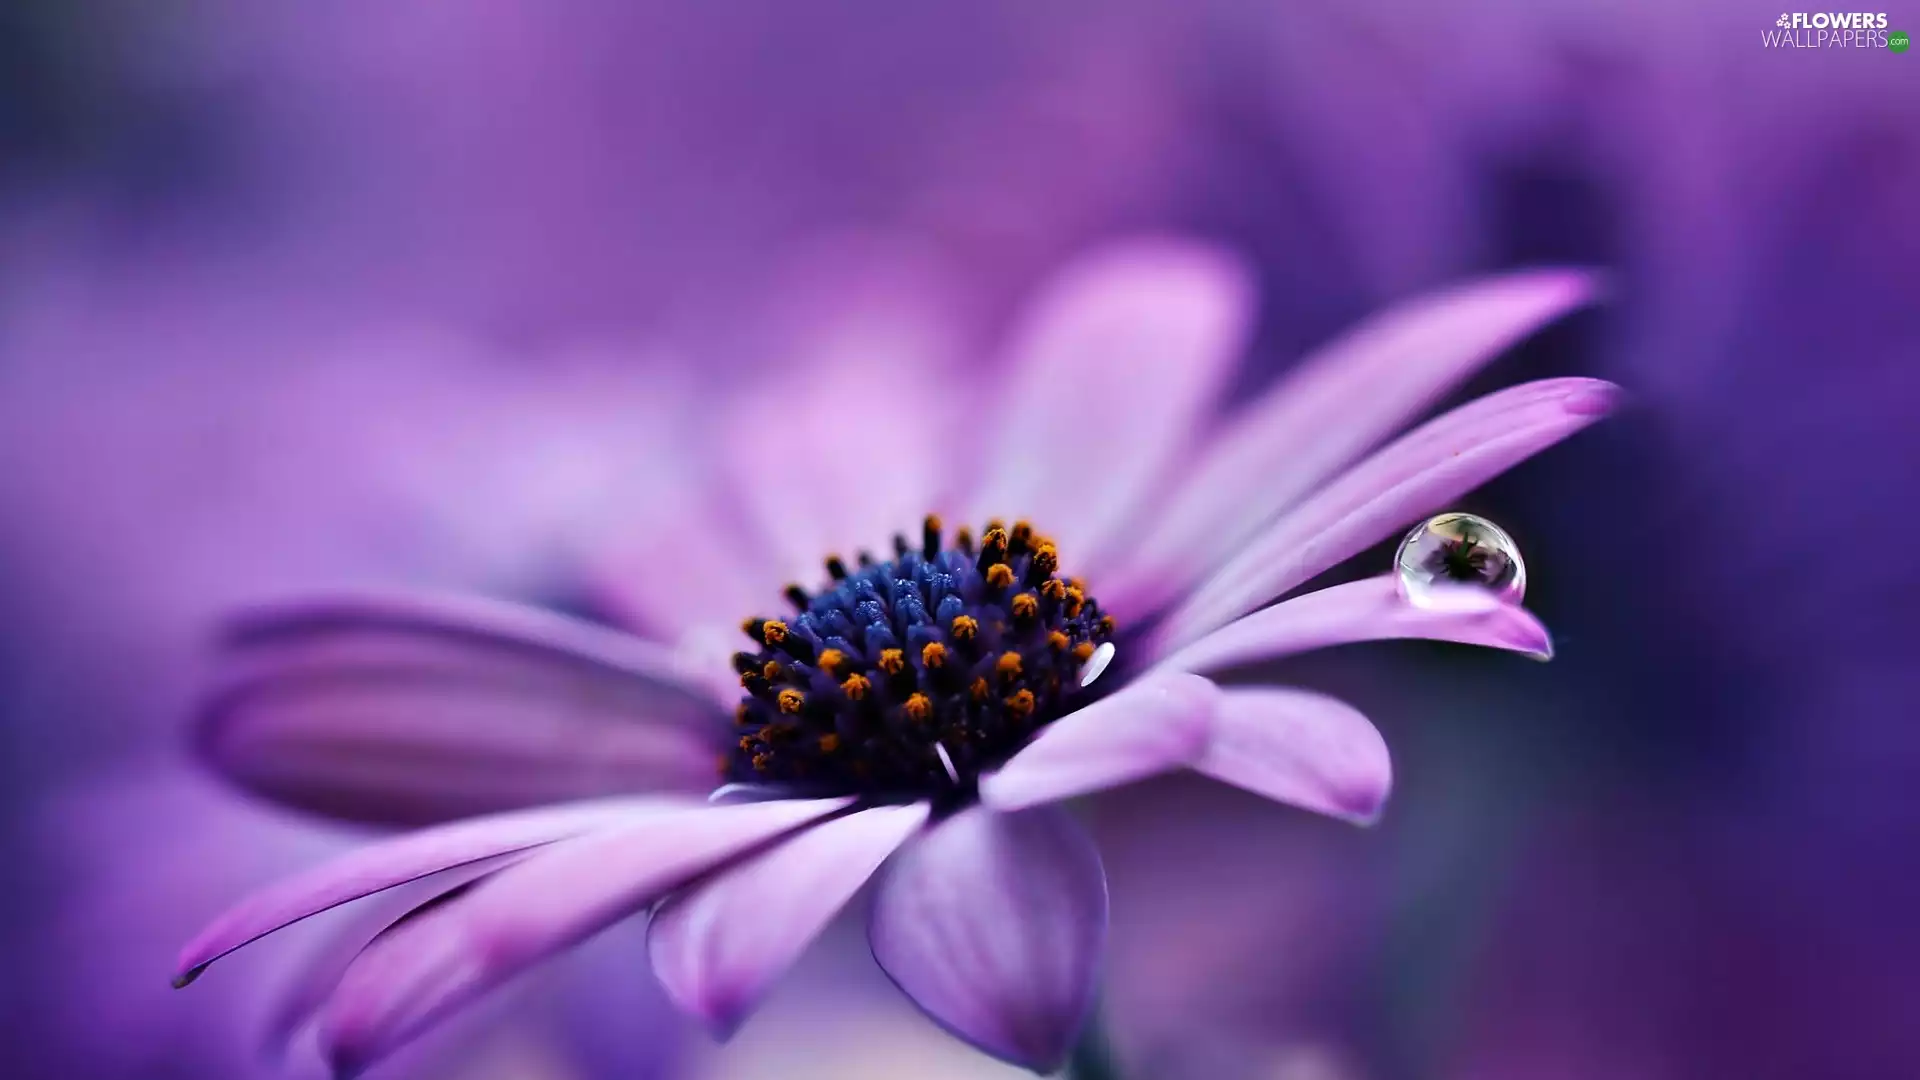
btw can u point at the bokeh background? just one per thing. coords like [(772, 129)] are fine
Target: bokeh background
[(296, 294)]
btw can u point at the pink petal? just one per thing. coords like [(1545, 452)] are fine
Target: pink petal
[(1419, 473), (1156, 724), (396, 708), (1371, 609), (994, 925), (1341, 401), (686, 569), (394, 862), (312, 982), (867, 375), (1112, 370), (720, 945), (1300, 748), (430, 965)]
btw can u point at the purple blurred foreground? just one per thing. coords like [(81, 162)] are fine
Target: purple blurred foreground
[(376, 296)]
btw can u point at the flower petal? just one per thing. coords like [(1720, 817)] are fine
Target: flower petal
[(429, 965), (1156, 724), (719, 946), (1300, 748), (1340, 402), (994, 925), (1112, 370), (409, 709), (868, 345), (1420, 472), (300, 999), (1371, 609), (394, 862)]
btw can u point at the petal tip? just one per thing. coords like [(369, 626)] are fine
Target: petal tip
[(186, 976), (1592, 397)]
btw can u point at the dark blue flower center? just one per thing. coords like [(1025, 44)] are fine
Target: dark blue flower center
[(909, 677)]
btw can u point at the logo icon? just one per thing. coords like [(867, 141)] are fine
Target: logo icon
[(1784, 21), (1898, 41)]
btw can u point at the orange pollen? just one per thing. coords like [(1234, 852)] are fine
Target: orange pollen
[(1000, 575), (964, 627), (1058, 641), (1026, 606), (829, 743), (918, 707), (830, 660), (773, 672), (1020, 705), (980, 690), (856, 687), (791, 700), (1083, 651), (1008, 665), (1046, 560), (1106, 624), (742, 714), (776, 631), (892, 661), (934, 655), (762, 762), (1053, 589)]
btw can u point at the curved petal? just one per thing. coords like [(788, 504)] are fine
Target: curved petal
[(1157, 724), (431, 964), (394, 862), (994, 925), (1370, 609), (408, 708), (1341, 401), (1418, 473), (1300, 748), (300, 999), (1111, 371), (719, 946)]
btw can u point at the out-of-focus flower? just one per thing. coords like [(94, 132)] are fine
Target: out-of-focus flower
[(929, 708)]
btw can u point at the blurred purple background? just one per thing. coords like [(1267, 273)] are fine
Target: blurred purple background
[(299, 294)]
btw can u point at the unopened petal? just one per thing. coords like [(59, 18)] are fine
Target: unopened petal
[(407, 709)]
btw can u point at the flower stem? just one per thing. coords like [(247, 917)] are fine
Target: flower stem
[(1093, 1055)]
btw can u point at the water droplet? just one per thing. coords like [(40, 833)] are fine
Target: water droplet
[(1096, 663), (1460, 562)]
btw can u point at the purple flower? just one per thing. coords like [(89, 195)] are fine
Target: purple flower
[(919, 714)]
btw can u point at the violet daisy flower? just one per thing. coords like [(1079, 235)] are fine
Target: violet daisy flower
[(921, 709)]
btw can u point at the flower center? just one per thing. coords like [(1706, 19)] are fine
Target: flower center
[(909, 677)]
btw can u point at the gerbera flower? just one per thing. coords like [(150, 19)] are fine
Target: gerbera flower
[(918, 709)]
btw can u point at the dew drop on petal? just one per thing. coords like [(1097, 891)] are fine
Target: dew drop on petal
[(1459, 562)]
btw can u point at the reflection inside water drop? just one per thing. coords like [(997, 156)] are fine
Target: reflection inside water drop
[(1457, 561)]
